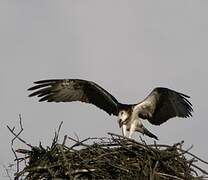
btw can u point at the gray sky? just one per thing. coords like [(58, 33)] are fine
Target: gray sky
[(128, 47)]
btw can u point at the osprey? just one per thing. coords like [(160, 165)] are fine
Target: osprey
[(159, 106)]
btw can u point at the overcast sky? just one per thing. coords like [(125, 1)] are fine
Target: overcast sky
[(128, 47)]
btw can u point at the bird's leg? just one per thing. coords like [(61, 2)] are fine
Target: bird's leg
[(132, 128), (124, 130), (122, 124)]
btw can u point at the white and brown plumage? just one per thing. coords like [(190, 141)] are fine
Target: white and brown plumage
[(159, 106)]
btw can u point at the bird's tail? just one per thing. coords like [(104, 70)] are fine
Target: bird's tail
[(145, 131)]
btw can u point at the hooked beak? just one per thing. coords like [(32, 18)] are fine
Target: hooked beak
[(120, 123)]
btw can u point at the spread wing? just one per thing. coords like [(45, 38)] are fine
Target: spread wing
[(68, 90), (162, 104)]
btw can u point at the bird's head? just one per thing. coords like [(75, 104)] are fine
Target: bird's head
[(122, 117)]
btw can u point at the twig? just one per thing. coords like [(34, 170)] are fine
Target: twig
[(170, 176), (7, 172), (200, 169), (55, 139), (185, 151), (16, 136)]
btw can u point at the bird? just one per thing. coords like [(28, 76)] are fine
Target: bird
[(158, 107)]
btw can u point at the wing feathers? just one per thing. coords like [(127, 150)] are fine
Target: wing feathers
[(162, 104), (68, 90), (159, 106)]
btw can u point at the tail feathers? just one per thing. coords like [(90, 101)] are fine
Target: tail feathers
[(147, 132)]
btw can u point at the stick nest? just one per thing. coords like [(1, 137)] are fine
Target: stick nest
[(115, 157), (112, 157)]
